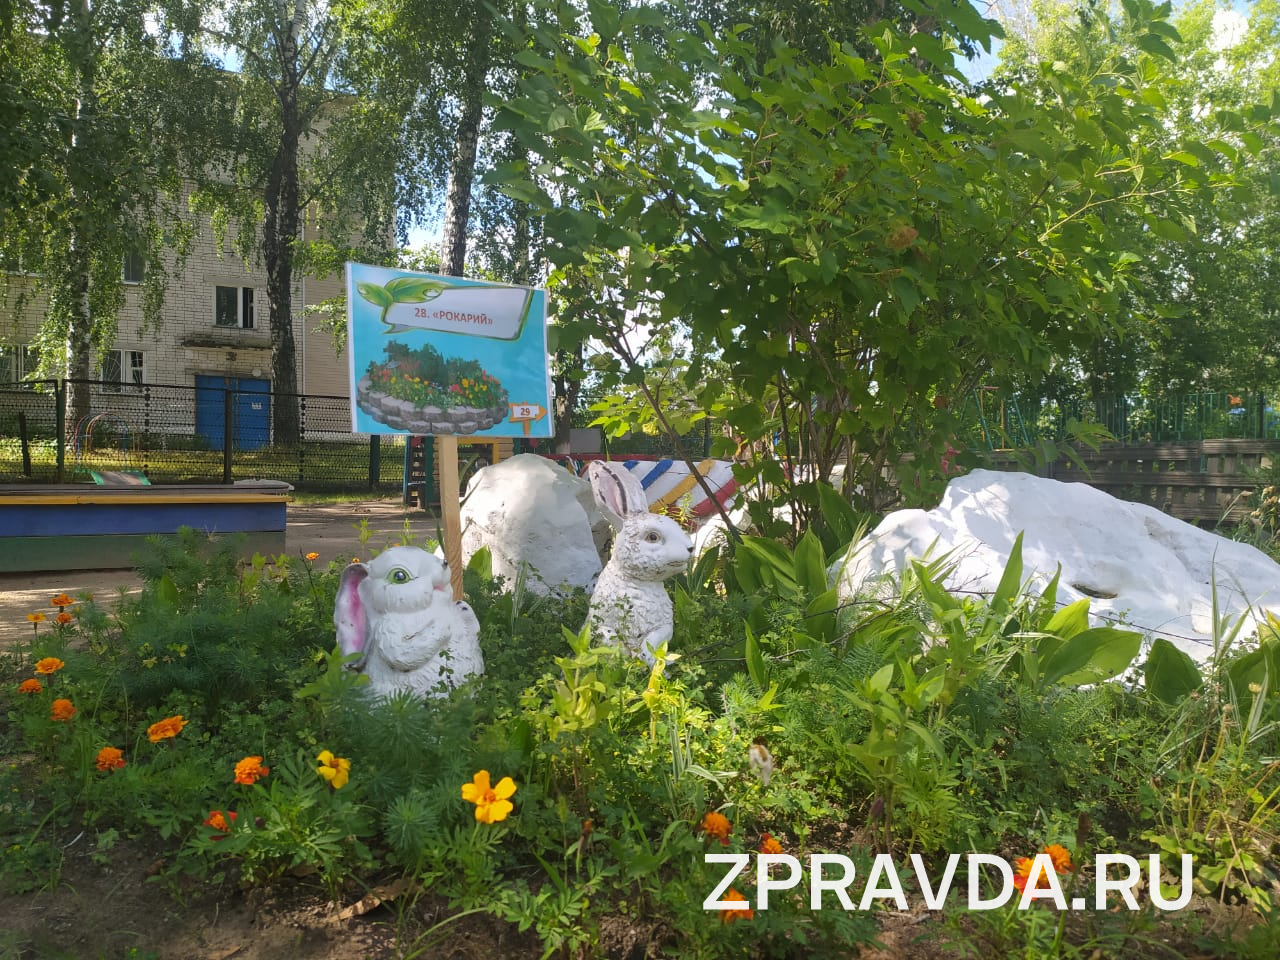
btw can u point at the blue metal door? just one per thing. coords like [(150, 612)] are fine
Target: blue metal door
[(250, 411), (253, 414)]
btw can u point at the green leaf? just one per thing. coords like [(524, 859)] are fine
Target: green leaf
[(1092, 656), (1157, 47), (810, 568), (166, 592), (1182, 156), (1070, 620), (481, 563), (1011, 579), (820, 615), (879, 681), (375, 294), (1170, 673), (414, 289), (755, 662)]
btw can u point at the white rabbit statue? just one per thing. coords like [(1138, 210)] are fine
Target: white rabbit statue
[(398, 611), (630, 606)]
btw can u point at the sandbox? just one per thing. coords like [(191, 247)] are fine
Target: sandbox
[(90, 527)]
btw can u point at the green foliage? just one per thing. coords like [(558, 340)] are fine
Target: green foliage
[(934, 722), (956, 241), (204, 629)]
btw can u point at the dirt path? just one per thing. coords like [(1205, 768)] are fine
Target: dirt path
[(331, 530)]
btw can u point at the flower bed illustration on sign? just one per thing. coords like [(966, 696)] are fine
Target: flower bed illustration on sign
[(423, 392)]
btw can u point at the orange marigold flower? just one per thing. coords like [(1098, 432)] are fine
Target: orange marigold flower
[(250, 770), (312, 556), (493, 803), (60, 601), (1021, 871), (110, 758), (30, 686), (769, 844), (62, 709), (737, 913), (63, 618), (716, 826), (36, 617), (48, 665), (166, 728), (220, 821), (1060, 856)]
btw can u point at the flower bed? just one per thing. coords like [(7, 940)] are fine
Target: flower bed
[(422, 392)]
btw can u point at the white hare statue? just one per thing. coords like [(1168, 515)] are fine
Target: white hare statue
[(630, 605), (398, 611)]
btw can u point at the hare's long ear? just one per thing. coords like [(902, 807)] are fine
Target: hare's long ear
[(617, 491), (348, 610)]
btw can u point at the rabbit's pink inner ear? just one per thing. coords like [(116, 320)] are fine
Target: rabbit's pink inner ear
[(629, 496), (348, 610), (608, 490)]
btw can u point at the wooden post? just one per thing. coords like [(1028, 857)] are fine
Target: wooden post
[(450, 507)]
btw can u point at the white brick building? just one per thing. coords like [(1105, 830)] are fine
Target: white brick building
[(214, 323)]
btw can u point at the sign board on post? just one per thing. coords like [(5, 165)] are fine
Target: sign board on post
[(446, 357)]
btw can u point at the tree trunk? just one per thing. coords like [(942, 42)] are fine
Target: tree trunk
[(462, 168), (567, 388), (279, 237), (73, 286)]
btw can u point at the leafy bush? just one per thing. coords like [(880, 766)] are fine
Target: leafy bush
[(214, 713)]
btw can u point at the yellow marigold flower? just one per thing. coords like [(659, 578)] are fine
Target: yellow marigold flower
[(737, 913), (250, 770), (336, 770), (493, 804), (36, 617), (30, 686), (312, 556), (62, 709), (63, 618), (716, 826), (769, 844), (110, 758), (166, 728), (48, 665), (60, 601)]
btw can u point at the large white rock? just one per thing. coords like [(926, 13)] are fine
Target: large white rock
[(1132, 560), (531, 511)]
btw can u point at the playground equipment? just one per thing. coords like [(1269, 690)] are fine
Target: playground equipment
[(1000, 423), (421, 471), (74, 527), (84, 436)]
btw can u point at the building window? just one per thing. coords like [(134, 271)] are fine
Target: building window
[(233, 307), (17, 363), (123, 367), (132, 268)]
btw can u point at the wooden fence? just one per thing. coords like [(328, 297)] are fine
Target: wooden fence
[(1206, 481)]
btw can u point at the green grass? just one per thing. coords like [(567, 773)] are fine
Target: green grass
[(312, 465)]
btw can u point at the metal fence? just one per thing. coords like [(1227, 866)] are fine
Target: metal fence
[(167, 433), (1001, 422)]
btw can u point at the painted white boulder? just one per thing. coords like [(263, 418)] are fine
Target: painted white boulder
[(533, 513), (1134, 562)]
